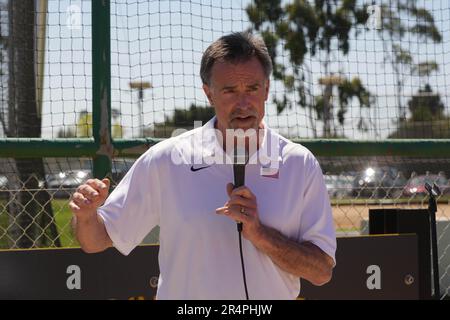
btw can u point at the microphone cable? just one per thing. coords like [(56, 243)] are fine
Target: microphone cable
[(239, 227)]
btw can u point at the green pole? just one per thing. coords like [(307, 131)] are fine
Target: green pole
[(101, 87), (87, 147), (389, 147), (43, 148)]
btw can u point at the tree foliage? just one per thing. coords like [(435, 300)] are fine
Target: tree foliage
[(181, 119), (427, 118), (83, 128), (304, 28), (321, 28), (405, 20)]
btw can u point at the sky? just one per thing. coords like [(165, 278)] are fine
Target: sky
[(162, 42)]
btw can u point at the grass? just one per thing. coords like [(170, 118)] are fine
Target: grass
[(408, 201), (3, 225), (347, 230), (62, 215)]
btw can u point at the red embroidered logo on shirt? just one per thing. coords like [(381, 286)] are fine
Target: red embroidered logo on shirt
[(270, 172)]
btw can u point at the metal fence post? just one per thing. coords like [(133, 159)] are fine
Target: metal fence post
[(101, 86)]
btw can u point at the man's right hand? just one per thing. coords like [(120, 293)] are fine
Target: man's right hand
[(88, 197)]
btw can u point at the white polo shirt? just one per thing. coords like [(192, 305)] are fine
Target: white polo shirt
[(199, 250)]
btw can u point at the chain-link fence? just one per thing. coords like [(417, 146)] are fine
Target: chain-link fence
[(34, 213), (28, 221), (355, 185)]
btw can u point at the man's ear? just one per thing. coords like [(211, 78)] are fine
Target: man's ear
[(267, 89), (207, 92)]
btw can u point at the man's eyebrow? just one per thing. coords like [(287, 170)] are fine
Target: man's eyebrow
[(228, 87), (252, 86)]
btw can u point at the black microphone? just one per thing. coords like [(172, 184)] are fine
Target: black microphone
[(239, 162)]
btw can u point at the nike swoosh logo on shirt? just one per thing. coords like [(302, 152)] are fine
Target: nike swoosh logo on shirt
[(197, 169)]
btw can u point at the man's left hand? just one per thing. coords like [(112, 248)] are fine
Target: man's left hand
[(242, 207)]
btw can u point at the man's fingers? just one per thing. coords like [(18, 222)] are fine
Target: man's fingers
[(107, 183), (222, 210), (73, 207), (241, 201), (230, 187), (243, 192), (94, 189), (235, 213), (80, 200), (87, 191), (98, 185), (89, 196)]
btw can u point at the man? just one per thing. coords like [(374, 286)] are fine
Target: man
[(183, 184)]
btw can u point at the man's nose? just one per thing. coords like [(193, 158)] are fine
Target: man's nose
[(243, 101)]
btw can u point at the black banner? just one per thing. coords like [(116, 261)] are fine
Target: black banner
[(73, 274), (368, 267), (371, 267)]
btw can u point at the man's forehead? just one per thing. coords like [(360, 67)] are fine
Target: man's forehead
[(252, 65), (227, 73)]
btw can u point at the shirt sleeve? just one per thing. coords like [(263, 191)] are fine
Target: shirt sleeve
[(316, 221), (133, 208)]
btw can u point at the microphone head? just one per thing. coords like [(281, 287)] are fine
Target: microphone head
[(433, 190), (240, 155)]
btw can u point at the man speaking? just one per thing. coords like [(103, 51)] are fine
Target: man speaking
[(198, 185)]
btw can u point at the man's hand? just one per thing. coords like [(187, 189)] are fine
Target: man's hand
[(242, 207), (88, 197), (89, 227), (304, 260)]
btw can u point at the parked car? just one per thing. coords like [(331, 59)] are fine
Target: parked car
[(416, 185), (3, 187), (338, 186), (63, 184), (120, 168), (379, 182)]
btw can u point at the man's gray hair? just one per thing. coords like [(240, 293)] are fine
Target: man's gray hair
[(235, 48)]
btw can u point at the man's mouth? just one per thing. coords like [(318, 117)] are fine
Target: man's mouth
[(243, 117)]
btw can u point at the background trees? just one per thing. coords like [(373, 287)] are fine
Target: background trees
[(322, 29)]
